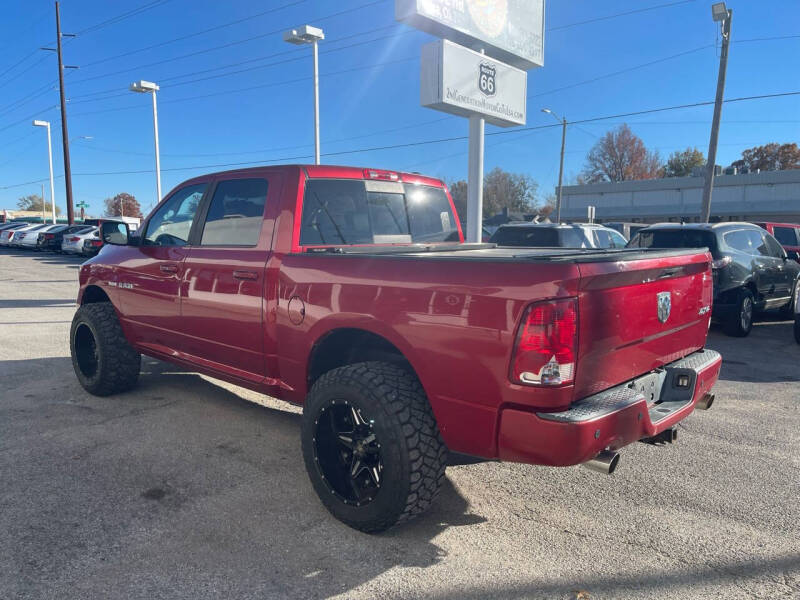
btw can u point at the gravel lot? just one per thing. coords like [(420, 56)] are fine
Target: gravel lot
[(184, 488)]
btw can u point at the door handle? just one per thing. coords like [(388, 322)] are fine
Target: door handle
[(168, 268), (248, 275)]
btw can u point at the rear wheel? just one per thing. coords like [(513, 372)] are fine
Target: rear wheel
[(103, 360), (371, 445), (740, 323)]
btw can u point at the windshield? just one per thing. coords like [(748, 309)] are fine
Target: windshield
[(675, 238), (349, 212)]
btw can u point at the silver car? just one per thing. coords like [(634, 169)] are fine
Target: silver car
[(72, 243)]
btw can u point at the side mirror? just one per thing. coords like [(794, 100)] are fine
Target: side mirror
[(114, 233)]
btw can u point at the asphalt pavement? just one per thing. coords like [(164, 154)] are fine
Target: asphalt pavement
[(188, 487)]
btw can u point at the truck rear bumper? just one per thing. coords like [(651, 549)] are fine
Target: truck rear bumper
[(614, 418)]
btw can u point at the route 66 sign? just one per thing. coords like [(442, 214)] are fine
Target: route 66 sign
[(487, 80)]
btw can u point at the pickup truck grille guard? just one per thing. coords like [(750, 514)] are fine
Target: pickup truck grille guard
[(665, 390)]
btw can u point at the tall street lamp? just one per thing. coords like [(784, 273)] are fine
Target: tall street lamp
[(38, 123), (148, 87), (561, 166), (309, 35)]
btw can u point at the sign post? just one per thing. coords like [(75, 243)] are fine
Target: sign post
[(477, 70)]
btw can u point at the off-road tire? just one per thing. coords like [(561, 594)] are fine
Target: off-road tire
[(116, 364), (413, 455), (735, 324)]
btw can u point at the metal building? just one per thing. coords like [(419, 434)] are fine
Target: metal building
[(765, 196)]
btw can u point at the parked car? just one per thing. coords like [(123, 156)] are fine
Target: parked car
[(29, 240), (350, 292), (16, 236), (73, 243), (788, 236), (7, 229), (53, 239), (557, 235), (751, 270)]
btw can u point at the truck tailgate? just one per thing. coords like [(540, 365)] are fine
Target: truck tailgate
[(621, 333)]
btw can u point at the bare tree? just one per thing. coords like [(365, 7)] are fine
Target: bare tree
[(123, 204), (770, 157), (621, 156)]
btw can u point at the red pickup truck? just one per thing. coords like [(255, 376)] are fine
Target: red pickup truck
[(351, 292)]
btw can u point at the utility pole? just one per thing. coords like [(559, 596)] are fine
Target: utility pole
[(563, 122), (561, 169), (64, 134), (44, 214), (719, 12)]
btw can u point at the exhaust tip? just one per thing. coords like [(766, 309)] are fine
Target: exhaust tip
[(606, 462), (705, 401)]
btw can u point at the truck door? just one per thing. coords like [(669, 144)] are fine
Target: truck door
[(223, 283), (148, 279)]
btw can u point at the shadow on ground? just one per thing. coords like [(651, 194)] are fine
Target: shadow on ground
[(180, 484)]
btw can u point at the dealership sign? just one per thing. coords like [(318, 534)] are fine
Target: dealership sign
[(508, 30), (460, 81)]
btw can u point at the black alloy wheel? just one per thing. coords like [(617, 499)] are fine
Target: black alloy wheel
[(348, 453)]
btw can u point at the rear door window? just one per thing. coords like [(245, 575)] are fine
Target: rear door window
[(353, 212), (605, 238), (236, 213), (787, 236), (773, 247)]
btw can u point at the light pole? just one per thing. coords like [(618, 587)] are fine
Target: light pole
[(148, 87), (46, 124), (309, 35), (561, 166), (720, 13)]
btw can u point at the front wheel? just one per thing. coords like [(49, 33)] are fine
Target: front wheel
[(103, 360), (740, 322), (371, 445)]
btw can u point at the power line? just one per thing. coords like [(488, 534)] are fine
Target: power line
[(123, 16), (227, 45), (191, 35), (623, 14), (448, 139), (273, 84), (621, 71)]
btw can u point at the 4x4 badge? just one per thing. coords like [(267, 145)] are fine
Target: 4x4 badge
[(664, 306)]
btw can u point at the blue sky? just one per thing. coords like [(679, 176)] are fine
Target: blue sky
[(240, 94)]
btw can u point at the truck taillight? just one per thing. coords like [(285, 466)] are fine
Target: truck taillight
[(546, 347)]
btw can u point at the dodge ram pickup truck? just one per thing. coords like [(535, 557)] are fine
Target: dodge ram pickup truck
[(351, 292)]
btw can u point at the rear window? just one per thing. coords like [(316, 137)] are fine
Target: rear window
[(532, 237), (787, 236), (675, 238), (339, 211)]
